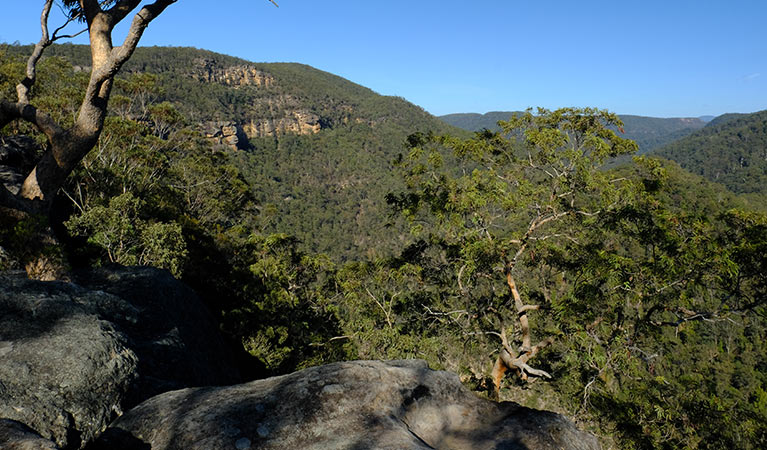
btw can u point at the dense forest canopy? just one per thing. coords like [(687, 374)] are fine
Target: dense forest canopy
[(648, 132), (731, 150), (632, 299)]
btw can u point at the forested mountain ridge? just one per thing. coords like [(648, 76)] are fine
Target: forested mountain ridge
[(648, 132), (731, 150), (201, 83), (317, 148)]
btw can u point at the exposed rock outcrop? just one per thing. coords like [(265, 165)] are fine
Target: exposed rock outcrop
[(209, 71), (277, 113), (64, 371), (292, 122), (352, 405), (226, 133), (236, 136), (75, 356)]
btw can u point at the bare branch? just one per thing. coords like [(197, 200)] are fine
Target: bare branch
[(29, 113), (69, 20), (69, 36), (334, 338), (23, 88), (460, 272), (141, 20), (380, 305), (522, 315), (121, 9), (505, 342), (537, 372), (449, 313), (526, 308)]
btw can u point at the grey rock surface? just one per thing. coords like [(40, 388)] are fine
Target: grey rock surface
[(175, 337), (17, 157), (73, 356), (352, 405), (17, 436), (18, 151), (64, 371)]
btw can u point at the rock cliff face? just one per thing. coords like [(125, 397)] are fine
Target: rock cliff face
[(292, 122), (228, 133), (208, 71), (352, 405), (272, 114)]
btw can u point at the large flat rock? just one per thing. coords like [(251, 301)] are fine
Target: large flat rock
[(351, 405)]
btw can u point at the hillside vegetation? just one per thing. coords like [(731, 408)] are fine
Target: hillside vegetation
[(648, 132), (316, 149), (731, 150), (633, 299)]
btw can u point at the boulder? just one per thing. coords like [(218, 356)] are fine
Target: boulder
[(63, 371), (351, 405), (73, 356), (17, 436), (175, 337)]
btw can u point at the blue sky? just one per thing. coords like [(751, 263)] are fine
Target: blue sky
[(670, 58)]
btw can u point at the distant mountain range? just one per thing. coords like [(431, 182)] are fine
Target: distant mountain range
[(648, 132)]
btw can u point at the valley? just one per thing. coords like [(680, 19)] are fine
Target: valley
[(609, 267)]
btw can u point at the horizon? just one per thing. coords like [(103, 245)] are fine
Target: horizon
[(681, 60)]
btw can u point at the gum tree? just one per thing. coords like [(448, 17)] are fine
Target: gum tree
[(68, 145), (515, 201)]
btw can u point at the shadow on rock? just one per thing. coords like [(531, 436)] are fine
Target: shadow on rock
[(74, 356), (351, 405)]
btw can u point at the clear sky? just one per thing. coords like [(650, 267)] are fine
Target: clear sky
[(664, 58)]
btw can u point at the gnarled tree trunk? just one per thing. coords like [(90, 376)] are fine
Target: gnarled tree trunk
[(67, 147)]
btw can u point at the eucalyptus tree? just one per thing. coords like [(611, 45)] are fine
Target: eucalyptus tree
[(517, 199), (68, 145)]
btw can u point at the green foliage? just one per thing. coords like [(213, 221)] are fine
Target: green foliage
[(678, 323), (656, 302), (731, 151), (648, 132), (496, 208), (282, 315), (127, 239), (315, 186)]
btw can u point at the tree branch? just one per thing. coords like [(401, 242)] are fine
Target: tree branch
[(29, 113), (23, 88), (119, 55), (526, 308), (121, 9)]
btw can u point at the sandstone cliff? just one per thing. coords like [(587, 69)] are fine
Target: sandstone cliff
[(208, 71), (271, 114)]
